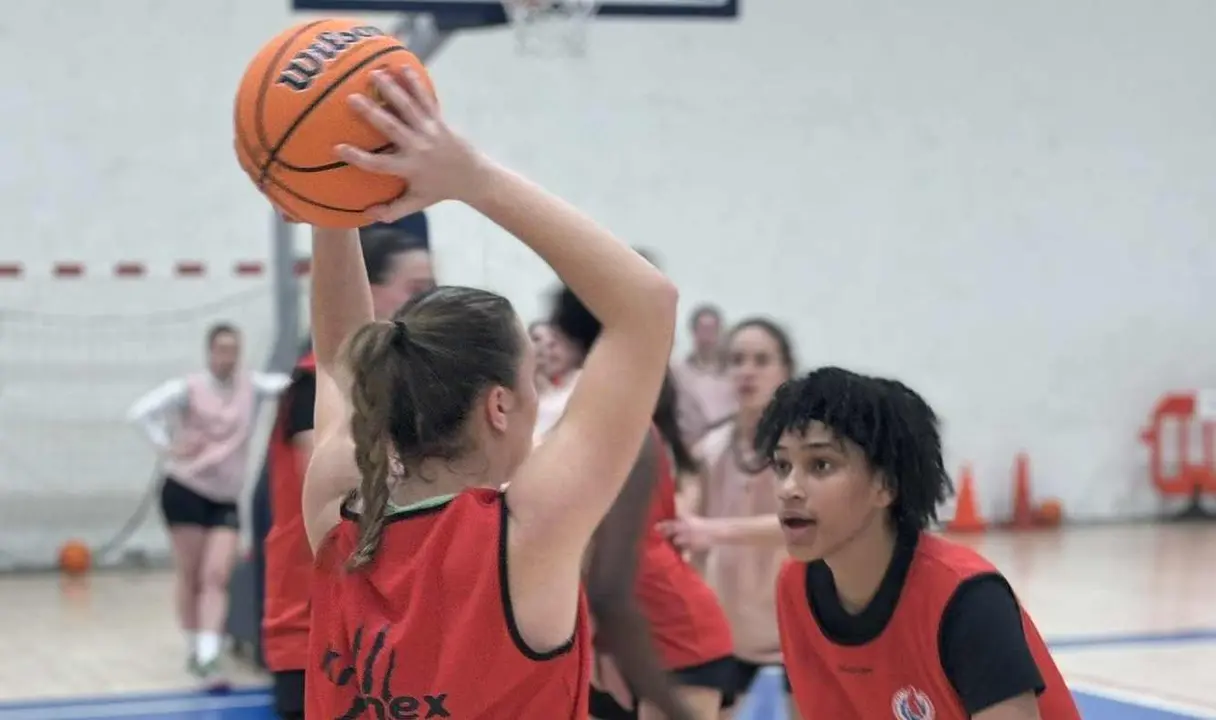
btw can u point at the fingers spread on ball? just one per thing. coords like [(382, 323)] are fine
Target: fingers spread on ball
[(388, 124), (399, 99), (364, 160), (419, 93)]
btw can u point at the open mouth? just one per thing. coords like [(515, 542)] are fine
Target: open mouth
[(796, 523)]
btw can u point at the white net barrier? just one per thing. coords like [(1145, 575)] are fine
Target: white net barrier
[(71, 466)]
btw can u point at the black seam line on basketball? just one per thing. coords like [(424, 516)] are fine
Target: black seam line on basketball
[(242, 143), (241, 146), (332, 166), (264, 83), (337, 83), (303, 198), (243, 149)]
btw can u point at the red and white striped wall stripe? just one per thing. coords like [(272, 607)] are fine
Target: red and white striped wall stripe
[(132, 269)]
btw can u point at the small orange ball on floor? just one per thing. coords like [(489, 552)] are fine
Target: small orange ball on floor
[(75, 558)]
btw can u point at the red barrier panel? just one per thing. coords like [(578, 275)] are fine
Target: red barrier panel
[(1177, 469)]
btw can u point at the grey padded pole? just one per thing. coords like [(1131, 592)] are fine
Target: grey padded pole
[(285, 351)]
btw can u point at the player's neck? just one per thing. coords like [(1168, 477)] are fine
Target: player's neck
[(436, 479), (859, 567)]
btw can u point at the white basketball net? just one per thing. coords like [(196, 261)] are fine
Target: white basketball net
[(545, 27)]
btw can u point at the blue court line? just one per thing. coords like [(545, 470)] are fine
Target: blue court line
[(184, 706), (1175, 637), (151, 697)]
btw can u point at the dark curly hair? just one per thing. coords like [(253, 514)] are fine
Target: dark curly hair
[(893, 425)]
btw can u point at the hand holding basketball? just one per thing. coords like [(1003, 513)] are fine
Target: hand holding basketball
[(438, 163)]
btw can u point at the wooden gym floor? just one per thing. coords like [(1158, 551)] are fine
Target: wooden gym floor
[(1130, 612)]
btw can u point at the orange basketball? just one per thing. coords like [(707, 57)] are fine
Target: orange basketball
[(291, 110), (74, 557)]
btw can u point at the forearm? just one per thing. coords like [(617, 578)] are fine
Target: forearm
[(754, 530), (341, 295), (617, 285)]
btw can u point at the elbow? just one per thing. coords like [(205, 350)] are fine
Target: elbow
[(662, 302), (666, 297)]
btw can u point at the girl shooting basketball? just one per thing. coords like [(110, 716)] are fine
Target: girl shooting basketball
[(435, 592), (876, 614)]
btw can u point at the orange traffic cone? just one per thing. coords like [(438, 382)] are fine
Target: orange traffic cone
[(1023, 509), (967, 517)]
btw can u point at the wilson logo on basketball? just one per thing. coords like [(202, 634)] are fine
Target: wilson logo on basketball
[(310, 62)]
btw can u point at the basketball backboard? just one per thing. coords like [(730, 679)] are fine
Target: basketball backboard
[(459, 14), (627, 8)]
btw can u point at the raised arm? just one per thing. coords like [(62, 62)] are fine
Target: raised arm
[(341, 303), (602, 429)]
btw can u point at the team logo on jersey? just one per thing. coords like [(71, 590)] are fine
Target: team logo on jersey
[(908, 703), (372, 684)]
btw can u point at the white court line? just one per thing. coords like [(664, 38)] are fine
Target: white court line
[(1129, 697), (135, 708)]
